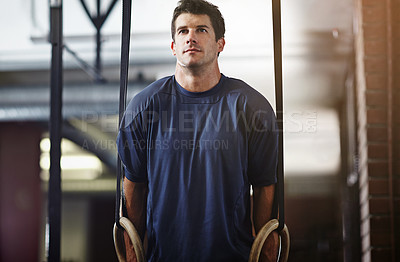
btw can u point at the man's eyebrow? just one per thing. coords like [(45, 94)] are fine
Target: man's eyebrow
[(181, 27), (184, 27)]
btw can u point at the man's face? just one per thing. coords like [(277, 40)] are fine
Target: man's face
[(195, 45)]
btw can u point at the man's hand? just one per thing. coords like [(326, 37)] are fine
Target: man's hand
[(136, 204), (263, 198), (269, 252), (129, 252)]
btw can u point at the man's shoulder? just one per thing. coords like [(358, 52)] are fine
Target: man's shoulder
[(142, 98), (161, 85), (237, 83), (239, 86), (250, 95)]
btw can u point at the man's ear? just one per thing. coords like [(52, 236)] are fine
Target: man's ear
[(173, 48), (221, 44)]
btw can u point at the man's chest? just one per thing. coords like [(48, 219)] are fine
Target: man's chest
[(198, 127)]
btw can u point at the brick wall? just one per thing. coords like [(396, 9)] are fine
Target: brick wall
[(20, 192), (378, 98)]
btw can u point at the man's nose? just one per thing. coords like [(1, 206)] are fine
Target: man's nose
[(191, 38)]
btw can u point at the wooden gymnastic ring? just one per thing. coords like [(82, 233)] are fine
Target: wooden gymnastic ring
[(119, 242), (262, 236)]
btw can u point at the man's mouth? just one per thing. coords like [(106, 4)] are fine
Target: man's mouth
[(190, 50)]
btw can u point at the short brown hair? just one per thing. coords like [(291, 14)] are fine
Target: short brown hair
[(200, 7)]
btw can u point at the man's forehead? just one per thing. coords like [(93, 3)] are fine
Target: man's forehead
[(192, 20)]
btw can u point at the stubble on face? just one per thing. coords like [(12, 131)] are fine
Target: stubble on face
[(195, 45)]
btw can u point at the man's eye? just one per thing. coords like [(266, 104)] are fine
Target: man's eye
[(203, 30), (183, 31)]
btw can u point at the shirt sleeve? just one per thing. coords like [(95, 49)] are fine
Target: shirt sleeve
[(263, 149), (131, 145)]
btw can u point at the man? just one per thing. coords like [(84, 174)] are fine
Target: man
[(192, 144)]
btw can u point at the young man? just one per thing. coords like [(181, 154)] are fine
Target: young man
[(192, 144)]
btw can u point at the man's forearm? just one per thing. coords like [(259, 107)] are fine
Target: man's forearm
[(135, 202), (263, 198)]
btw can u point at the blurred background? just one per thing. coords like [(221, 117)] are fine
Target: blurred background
[(326, 151)]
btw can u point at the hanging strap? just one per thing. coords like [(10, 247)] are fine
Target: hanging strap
[(125, 43), (279, 192)]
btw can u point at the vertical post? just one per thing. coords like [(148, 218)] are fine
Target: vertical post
[(56, 79)]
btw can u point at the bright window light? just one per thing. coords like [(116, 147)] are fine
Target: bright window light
[(76, 163)]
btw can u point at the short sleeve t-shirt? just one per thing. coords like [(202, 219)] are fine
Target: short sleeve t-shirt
[(199, 154)]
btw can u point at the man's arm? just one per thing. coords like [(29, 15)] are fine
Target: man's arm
[(263, 198), (136, 202)]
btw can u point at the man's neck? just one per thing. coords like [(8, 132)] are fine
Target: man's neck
[(196, 80)]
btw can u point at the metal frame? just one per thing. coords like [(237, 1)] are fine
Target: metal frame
[(98, 21), (56, 119)]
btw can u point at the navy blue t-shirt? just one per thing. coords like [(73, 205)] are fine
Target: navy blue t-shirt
[(199, 153)]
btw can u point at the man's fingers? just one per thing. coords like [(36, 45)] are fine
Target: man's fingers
[(269, 252), (129, 251)]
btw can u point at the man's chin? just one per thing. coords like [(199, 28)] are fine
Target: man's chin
[(189, 64)]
